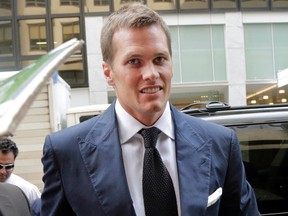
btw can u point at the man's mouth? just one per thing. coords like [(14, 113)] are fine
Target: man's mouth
[(150, 90)]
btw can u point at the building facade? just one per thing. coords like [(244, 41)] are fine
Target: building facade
[(224, 50)]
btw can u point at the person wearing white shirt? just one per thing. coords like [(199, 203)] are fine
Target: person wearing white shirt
[(142, 156), (8, 153)]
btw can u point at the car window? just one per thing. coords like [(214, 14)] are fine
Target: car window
[(265, 155)]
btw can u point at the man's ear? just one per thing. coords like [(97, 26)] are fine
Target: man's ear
[(108, 73)]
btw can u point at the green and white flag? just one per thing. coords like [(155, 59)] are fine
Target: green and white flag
[(19, 91)]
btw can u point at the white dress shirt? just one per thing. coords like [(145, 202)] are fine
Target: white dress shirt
[(30, 190), (133, 149)]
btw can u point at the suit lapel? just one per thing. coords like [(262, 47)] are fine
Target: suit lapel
[(102, 156), (193, 161)]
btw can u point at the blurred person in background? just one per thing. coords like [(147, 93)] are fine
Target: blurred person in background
[(13, 202), (8, 154)]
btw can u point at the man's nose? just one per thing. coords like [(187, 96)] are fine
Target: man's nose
[(150, 72)]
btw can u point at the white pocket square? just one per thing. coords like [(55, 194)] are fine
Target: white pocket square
[(214, 197)]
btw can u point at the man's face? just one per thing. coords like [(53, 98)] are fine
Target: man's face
[(6, 159), (141, 71)]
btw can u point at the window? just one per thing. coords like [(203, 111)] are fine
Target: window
[(97, 6), (128, 1), (266, 50), (5, 4), (163, 1), (37, 35), (279, 3), (6, 38), (120, 3), (70, 30), (5, 8), (194, 4), (35, 3), (254, 4), (31, 28), (69, 2), (162, 5), (280, 43), (199, 52), (265, 154), (221, 4), (31, 7), (266, 95), (101, 2), (65, 7), (72, 70)]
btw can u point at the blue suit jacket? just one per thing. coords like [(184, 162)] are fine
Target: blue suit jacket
[(84, 173)]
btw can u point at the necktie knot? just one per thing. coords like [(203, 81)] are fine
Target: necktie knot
[(150, 136)]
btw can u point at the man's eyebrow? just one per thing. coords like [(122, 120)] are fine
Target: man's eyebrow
[(163, 53), (132, 55)]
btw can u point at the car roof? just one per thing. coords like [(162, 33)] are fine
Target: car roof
[(227, 115)]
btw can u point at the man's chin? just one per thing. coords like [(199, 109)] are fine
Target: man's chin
[(2, 180), (155, 108)]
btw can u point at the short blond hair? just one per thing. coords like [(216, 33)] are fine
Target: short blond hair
[(135, 15)]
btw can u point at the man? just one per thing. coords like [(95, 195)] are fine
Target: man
[(99, 167), (13, 201), (8, 154)]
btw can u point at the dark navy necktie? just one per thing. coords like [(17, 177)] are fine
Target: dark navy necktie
[(158, 191)]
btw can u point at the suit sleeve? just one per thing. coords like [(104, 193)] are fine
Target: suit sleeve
[(53, 198), (238, 196)]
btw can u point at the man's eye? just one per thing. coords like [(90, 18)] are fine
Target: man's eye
[(159, 60), (134, 61)]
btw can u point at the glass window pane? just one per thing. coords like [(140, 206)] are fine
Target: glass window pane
[(254, 4), (72, 71), (31, 7), (6, 64), (196, 58), (198, 45), (265, 155), (33, 37), (219, 57), (161, 5), (120, 3), (6, 43), (279, 3), (258, 51), (194, 4), (5, 8), (266, 94), (35, 3), (175, 54), (65, 29), (197, 94), (97, 6), (65, 6), (224, 4), (280, 35)]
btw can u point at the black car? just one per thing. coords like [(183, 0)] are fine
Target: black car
[(263, 134)]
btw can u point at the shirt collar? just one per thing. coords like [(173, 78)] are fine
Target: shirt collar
[(129, 126)]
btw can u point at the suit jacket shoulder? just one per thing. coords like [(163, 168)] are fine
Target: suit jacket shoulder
[(188, 126), (88, 130)]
